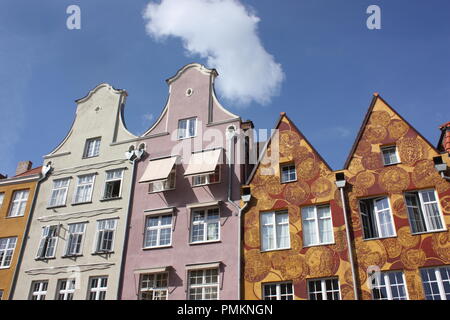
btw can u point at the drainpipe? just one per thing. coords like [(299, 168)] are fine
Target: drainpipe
[(340, 183), (44, 171), (441, 167), (230, 135), (133, 158)]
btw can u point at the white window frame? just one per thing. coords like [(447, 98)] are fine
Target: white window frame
[(81, 186), (95, 149), (46, 239), (7, 252), (153, 288), (207, 178), (40, 293), (205, 222), (376, 214), (188, 128), (56, 189), (165, 185), (114, 179), (158, 228), (68, 291), (437, 272), (389, 148), (315, 219), (2, 197), (278, 290), (1, 294), (388, 285), (18, 206), (100, 232), (425, 217), (288, 165), (273, 224), (203, 285), (323, 286), (70, 239), (98, 289)]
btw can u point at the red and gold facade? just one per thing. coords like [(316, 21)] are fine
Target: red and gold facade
[(314, 186), (367, 177)]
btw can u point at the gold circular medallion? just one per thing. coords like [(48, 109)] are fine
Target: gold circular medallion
[(445, 204), (393, 247), (289, 141), (321, 261), (380, 118), (307, 168), (256, 265), (251, 237), (364, 147), (297, 193), (399, 208), (441, 245), (411, 150), (321, 188), (375, 134), (273, 185), (424, 174), (365, 179), (406, 239), (413, 258), (397, 129), (372, 161), (394, 179)]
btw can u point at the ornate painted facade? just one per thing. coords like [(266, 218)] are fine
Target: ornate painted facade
[(314, 186), (370, 177)]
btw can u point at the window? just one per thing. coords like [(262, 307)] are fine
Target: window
[(66, 289), (163, 185), (83, 191), (47, 245), (275, 230), (154, 286), (205, 225), (75, 240), (436, 283), (2, 196), (97, 288), (389, 286), (7, 246), (187, 128), (105, 235), (59, 192), (423, 211), (376, 218), (390, 155), (38, 290), (204, 179), (204, 284), (278, 291), (324, 289), (92, 148), (317, 225), (113, 184), (158, 231), (1, 294), (288, 173), (18, 204)]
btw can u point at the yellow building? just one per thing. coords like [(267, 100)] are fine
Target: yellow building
[(16, 197)]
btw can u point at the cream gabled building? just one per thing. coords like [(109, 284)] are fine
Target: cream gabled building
[(75, 243)]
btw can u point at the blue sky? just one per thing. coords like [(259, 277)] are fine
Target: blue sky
[(332, 63)]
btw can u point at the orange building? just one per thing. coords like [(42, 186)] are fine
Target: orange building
[(295, 243), (396, 191), (16, 197), (400, 209)]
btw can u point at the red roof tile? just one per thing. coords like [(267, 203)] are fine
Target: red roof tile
[(30, 172)]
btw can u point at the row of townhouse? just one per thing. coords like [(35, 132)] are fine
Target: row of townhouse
[(188, 211)]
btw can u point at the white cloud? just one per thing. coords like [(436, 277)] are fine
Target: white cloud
[(225, 33)]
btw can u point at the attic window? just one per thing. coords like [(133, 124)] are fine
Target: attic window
[(390, 155), (189, 92)]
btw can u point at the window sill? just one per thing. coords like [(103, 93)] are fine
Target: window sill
[(161, 191), (12, 217), (157, 247), (320, 244), (285, 182), (426, 232), (99, 253), (84, 157), (271, 250), (391, 164), (380, 238), (45, 259), (110, 199), (57, 206), (72, 256), (1, 268), (204, 185), (80, 203), (184, 138), (203, 242)]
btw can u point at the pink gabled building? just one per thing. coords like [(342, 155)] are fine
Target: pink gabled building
[(183, 237)]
